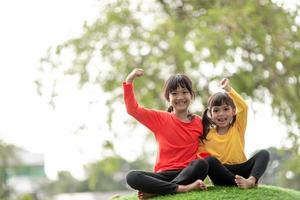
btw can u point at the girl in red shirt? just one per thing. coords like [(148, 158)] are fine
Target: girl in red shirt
[(177, 133)]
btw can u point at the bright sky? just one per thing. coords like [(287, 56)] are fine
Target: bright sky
[(28, 28)]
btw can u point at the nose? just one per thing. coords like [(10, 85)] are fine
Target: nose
[(180, 96), (221, 112)]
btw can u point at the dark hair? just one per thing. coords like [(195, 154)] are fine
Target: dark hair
[(216, 99), (174, 82)]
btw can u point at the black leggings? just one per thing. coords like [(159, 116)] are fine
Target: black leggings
[(167, 182), (224, 174)]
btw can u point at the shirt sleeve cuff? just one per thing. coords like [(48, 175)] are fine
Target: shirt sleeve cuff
[(127, 85)]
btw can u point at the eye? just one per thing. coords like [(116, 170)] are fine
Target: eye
[(215, 110), (173, 93)]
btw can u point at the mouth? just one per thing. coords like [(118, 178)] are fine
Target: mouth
[(222, 121), (180, 103)]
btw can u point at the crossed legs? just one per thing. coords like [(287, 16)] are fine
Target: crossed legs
[(244, 175), (169, 182)]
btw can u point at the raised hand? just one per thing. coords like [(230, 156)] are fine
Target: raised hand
[(137, 72), (225, 84)]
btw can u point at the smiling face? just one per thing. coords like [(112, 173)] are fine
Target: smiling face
[(180, 99), (179, 93), (222, 110), (222, 115)]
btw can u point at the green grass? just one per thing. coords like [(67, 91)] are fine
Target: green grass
[(226, 193)]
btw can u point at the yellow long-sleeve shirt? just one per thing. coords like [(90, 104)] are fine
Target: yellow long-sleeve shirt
[(229, 147)]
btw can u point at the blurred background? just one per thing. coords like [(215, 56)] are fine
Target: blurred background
[(64, 131)]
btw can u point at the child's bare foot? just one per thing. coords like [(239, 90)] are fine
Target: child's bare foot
[(245, 183), (144, 195), (198, 184)]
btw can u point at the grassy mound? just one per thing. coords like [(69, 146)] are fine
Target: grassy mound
[(224, 193)]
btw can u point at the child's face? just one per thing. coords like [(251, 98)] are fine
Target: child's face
[(180, 99), (222, 115)]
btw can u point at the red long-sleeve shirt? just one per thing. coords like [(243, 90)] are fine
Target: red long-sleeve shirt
[(177, 140)]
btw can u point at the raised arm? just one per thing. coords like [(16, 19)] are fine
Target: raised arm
[(132, 106), (225, 84), (134, 74), (148, 117), (241, 106)]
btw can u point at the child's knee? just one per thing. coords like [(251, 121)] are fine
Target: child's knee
[(132, 178), (265, 154), (211, 160), (201, 164)]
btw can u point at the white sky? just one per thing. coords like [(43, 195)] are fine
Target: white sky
[(28, 28)]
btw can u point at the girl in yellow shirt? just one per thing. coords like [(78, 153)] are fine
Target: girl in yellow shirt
[(225, 121)]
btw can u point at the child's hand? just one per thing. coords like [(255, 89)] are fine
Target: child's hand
[(135, 73), (225, 84)]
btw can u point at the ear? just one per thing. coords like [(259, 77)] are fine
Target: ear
[(208, 113), (234, 111)]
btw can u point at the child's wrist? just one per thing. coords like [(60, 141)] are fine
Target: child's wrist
[(129, 79), (228, 89)]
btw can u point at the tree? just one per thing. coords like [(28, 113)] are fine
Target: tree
[(283, 169), (109, 174), (102, 175), (65, 183), (255, 43), (7, 155)]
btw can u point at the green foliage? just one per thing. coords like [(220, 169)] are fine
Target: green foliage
[(255, 43), (109, 173), (104, 175), (101, 174), (28, 197), (7, 155), (65, 183), (289, 175), (283, 169), (216, 193)]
